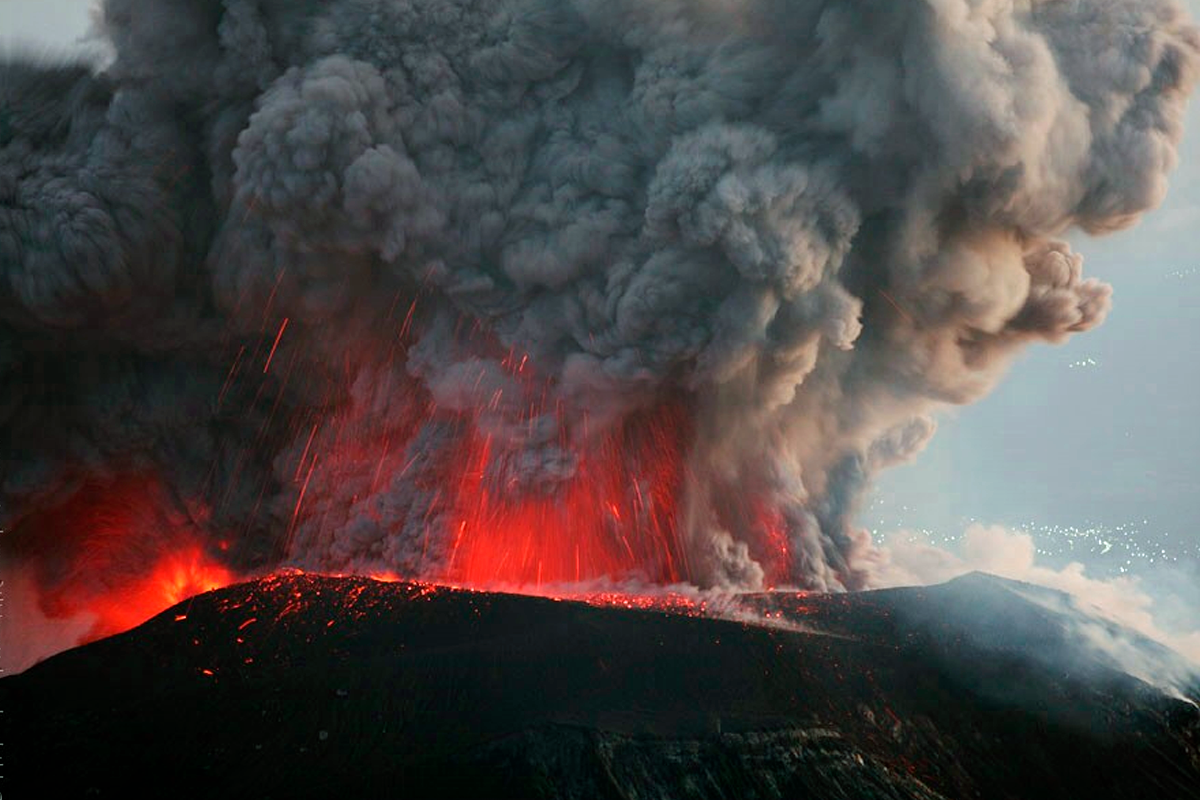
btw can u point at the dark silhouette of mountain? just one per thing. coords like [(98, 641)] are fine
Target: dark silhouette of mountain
[(309, 687)]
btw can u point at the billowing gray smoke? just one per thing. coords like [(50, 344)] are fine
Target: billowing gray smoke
[(296, 260)]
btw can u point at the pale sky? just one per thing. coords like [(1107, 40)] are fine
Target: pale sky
[(1098, 436), (50, 23), (1100, 432)]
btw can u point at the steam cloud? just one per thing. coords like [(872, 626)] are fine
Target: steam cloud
[(1129, 601), (295, 260)]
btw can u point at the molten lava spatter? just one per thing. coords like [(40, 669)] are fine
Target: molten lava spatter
[(123, 552), (615, 518)]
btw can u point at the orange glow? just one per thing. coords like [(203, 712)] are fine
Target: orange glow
[(775, 551), (121, 552), (614, 519), (176, 577)]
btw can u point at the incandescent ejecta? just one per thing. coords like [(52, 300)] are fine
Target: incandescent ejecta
[(532, 291)]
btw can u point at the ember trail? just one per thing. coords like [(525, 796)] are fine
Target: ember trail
[(532, 292)]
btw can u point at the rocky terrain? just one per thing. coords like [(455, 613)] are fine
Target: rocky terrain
[(300, 686)]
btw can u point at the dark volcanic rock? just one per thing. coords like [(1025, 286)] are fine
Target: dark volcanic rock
[(309, 687)]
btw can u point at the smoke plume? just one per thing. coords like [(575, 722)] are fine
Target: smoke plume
[(533, 290)]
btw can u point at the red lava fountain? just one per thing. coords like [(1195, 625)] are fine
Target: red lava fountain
[(117, 553), (614, 519)]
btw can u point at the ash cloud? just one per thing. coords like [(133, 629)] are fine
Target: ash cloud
[(294, 259)]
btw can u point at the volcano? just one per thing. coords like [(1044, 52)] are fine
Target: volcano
[(302, 686)]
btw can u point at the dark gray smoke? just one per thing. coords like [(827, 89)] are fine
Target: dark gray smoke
[(293, 258)]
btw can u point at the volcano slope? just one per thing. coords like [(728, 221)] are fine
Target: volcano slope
[(299, 686)]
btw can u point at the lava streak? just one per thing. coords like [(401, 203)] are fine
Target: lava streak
[(118, 553), (615, 518)]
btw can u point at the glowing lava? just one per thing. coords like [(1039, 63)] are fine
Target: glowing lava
[(176, 577), (615, 518), (118, 553)]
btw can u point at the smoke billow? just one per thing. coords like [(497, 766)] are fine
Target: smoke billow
[(652, 286)]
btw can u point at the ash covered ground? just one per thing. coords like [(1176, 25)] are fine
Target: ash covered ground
[(301, 686)]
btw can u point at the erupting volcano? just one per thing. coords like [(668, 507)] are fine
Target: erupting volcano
[(615, 301), (554, 296)]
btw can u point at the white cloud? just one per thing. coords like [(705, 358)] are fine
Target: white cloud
[(908, 559)]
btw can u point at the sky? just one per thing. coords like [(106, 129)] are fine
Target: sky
[(51, 23), (1089, 446), (1092, 445)]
